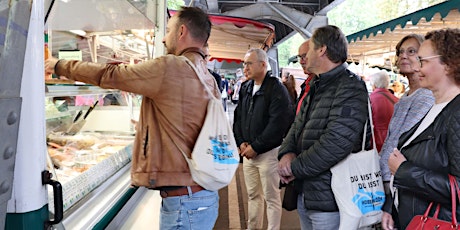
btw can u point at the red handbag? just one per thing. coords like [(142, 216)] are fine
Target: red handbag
[(420, 222)]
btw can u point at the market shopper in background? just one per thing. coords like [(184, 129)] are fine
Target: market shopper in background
[(398, 89), (382, 103), (237, 87), (214, 74), (305, 87), (428, 152), (410, 109), (327, 129), (172, 112), (224, 89), (288, 81), (263, 115)]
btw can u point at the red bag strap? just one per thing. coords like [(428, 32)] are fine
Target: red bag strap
[(436, 213), (454, 192), (427, 211), (457, 188)]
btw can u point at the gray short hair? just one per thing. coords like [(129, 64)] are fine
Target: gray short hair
[(261, 54), (380, 79)]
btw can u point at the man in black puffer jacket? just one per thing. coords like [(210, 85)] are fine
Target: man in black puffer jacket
[(327, 129)]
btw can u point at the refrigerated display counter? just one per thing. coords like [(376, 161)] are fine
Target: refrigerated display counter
[(92, 162)]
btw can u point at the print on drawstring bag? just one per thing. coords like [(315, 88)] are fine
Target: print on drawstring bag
[(357, 185), (215, 157)]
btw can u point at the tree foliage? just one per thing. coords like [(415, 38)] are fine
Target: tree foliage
[(288, 49), (355, 15), (175, 4)]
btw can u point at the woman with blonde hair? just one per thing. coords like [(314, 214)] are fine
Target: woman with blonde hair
[(398, 88)]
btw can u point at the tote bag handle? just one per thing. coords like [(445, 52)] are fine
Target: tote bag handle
[(369, 109)]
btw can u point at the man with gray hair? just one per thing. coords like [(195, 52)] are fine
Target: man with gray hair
[(262, 117), (329, 126), (382, 103)]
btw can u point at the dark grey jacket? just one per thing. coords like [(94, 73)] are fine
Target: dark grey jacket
[(263, 120), (328, 128), (431, 156)]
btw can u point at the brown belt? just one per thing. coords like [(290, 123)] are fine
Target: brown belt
[(180, 191)]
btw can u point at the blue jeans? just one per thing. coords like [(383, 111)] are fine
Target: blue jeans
[(316, 220), (302, 211), (194, 211)]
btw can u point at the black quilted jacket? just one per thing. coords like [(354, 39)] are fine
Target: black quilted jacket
[(263, 120), (329, 127), (431, 156)]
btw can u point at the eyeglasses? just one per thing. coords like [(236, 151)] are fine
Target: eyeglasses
[(302, 56), (248, 63), (420, 59), (408, 52)]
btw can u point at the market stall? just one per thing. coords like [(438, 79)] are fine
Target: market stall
[(377, 44), (231, 37)]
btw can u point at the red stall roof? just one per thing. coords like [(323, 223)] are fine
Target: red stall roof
[(231, 37)]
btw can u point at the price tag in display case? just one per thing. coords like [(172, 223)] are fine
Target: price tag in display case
[(71, 55)]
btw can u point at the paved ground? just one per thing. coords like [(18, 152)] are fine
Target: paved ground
[(233, 202)]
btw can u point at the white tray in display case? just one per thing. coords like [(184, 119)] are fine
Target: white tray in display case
[(80, 186)]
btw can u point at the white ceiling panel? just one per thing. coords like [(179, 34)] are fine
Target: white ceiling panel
[(96, 16)]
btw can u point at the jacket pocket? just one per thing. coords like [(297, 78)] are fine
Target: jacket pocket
[(145, 141)]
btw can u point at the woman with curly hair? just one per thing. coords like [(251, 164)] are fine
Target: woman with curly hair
[(410, 109)]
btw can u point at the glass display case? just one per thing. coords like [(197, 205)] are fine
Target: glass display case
[(89, 158), (89, 139)]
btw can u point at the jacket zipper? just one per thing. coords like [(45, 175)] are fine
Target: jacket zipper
[(310, 100)]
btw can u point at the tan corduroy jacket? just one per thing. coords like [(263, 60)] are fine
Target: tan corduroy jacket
[(172, 112)]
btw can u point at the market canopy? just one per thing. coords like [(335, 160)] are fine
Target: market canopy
[(122, 32), (382, 38), (231, 37)]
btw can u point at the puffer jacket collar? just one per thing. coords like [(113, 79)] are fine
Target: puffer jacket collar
[(322, 80), (325, 78)]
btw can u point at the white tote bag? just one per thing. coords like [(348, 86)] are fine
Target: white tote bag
[(224, 94), (215, 157), (358, 187)]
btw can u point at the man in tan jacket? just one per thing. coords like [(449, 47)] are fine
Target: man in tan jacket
[(172, 113)]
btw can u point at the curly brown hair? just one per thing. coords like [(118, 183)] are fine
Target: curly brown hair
[(446, 43)]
